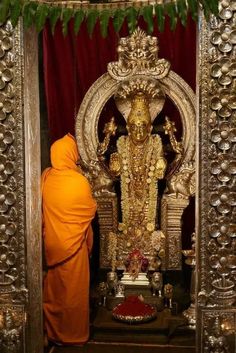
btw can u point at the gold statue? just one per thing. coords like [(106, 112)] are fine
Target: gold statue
[(140, 163), (109, 130), (170, 129), (140, 82)]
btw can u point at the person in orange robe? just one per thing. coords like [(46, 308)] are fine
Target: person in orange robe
[(68, 209)]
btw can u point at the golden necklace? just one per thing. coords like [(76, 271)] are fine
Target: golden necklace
[(138, 183)]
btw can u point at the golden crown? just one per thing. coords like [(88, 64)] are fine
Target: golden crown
[(139, 109)]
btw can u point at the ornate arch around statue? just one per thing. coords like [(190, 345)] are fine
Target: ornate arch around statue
[(131, 70), (106, 86)]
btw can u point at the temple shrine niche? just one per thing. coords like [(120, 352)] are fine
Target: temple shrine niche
[(140, 221)]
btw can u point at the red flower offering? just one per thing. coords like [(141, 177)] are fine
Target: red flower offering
[(134, 310)]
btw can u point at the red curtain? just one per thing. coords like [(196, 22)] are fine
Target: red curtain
[(73, 63)]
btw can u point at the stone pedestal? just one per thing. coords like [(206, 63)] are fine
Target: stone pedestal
[(141, 280)]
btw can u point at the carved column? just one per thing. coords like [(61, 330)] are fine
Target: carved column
[(216, 258), (13, 291), (20, 245), (172, 208), (107, 216)]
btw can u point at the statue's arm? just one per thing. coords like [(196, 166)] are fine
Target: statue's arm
[(113, 170), (160, 168), (114, 164), (161, 163)]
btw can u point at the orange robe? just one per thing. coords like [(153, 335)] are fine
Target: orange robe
[(68, 209)]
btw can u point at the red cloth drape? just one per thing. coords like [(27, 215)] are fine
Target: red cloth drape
[(73, 63)]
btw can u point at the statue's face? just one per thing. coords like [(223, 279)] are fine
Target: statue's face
[(139, 131)]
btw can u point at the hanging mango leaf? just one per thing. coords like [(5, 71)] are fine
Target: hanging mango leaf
[(193, 7), (41, 16), (147, 13), (29, 13), (104, 21), (54, 15), (210, 6), (131, 15), (4, 10), (118, 19), (170, 10), (214, 6), (206, 9), (15, 11), (182, 11), (160, 16), (78, 19), (92, 17), (66, 14)]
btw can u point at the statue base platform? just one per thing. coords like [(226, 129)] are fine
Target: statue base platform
[(141, 280), (167, 333)]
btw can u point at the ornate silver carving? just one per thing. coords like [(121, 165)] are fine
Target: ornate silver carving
[(15, 217), (12, 211), (12, 256), (218, 331), (140, 83), (172, 208), (221, 131), (107, 216), (216, 245), (11, 328), (183, 183), (105, 87), (138, 54), (190, 313)]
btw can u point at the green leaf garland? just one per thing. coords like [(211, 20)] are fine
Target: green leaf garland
[(36, 13)]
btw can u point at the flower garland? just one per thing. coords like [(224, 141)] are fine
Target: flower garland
[(139, 190)]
